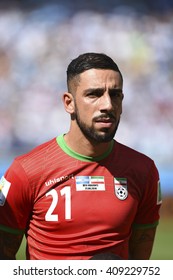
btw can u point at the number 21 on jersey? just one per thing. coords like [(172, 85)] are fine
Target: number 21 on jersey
[(66, 192)]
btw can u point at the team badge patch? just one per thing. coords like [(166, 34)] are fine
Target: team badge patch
[(4, 188), (90, 183), (121, 190)]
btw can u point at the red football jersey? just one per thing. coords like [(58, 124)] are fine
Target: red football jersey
[(71, 206)]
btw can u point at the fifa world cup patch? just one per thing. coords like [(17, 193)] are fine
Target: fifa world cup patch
[(4, 188), (121, 190), (90, 183)]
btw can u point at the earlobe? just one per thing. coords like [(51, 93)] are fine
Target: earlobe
[(68, 101)]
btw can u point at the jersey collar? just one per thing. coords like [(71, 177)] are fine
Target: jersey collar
[(61, 142)]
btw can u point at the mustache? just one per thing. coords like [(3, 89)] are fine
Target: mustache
[(104, 116)]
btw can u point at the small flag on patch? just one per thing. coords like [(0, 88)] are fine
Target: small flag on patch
[(4, 188), (121, 190), (90, 183)]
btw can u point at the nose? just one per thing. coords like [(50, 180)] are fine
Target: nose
[(106, 102)]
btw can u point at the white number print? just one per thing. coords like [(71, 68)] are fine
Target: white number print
[(49, 216), (66, 192)]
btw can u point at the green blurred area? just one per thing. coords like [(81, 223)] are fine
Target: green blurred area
[(163, 245)]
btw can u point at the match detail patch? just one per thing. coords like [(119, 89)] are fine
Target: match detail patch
[(121, 190), (4, 188), (90, 183)]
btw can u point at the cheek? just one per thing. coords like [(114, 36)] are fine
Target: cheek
[(120, 109), (86, 115), (117, 108), (85, 110)]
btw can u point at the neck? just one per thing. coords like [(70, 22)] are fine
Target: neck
[(80, 144)]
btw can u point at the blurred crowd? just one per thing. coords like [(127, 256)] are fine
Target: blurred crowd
[(36, 46)]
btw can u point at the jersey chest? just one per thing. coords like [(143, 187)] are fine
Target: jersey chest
[(87, 197)]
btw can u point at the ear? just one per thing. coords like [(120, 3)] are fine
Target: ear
[(68, 101)]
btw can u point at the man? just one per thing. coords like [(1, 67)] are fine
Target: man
[(83, 193)]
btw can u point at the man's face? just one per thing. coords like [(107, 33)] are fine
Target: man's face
[(98, 104)]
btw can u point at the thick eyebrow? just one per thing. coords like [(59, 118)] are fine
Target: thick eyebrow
[(96, 90), (115, 90), (102, 90)]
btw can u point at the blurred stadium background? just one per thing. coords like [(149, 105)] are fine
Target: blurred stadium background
[(39, 38)]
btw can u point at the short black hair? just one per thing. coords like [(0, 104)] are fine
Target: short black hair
[(88, 61)]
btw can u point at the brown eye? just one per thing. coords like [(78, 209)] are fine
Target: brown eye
[(95, 93), (116, 93)]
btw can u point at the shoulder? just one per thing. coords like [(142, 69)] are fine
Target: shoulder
[(34, 161), (124, 150), (38, 151), (133, 158)]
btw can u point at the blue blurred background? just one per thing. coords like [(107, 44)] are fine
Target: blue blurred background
[(39, 38)]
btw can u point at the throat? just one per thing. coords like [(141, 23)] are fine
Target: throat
[(87, 148)]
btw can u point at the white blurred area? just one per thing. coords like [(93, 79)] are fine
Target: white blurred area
[(37, 44)]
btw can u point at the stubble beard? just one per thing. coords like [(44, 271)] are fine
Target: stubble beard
[(94, 136)]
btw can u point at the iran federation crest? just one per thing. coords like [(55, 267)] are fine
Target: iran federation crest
[(121, 190)]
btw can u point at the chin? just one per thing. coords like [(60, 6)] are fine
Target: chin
[(102, 138)]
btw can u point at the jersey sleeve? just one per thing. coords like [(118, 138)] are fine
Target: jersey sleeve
[(149, 205), (15, 199)]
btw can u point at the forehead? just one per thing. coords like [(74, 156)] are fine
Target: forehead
[(94, 78)]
